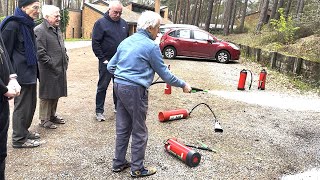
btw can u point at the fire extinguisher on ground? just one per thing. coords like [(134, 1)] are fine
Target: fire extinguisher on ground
[(184, 113), (242, 79), (262, 79), (183, 152)]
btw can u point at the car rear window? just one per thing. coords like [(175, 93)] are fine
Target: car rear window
[(184, 33)]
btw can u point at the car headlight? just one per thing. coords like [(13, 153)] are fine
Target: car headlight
[(234, 46)]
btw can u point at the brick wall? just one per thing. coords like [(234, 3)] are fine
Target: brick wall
[(89, 17), (73, 29)]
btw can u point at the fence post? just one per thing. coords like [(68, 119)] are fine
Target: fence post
[(258, 54), (297, 66), (273, 59)]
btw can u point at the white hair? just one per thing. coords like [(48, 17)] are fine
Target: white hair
[(48, 10), (147, 19), (114, 4)]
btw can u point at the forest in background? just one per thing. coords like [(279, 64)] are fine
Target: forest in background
[(290, 26)]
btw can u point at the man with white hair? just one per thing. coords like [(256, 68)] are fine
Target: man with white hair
[(107, 34), (136, 61), (53, 64)]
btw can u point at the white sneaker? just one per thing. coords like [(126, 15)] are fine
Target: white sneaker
[(100, 117), (115, 111)]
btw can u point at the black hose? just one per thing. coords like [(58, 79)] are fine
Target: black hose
[(157, 82), (251, 80), (205, 105)]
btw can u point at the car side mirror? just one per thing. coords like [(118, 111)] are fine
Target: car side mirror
[(210, 41)]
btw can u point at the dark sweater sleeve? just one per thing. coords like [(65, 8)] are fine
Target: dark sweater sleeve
[(97, 37), (3, 87), (9, 35)]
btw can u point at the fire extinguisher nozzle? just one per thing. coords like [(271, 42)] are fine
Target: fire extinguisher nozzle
[(217, 127)]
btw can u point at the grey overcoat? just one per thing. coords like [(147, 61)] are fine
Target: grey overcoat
[(53, 61)]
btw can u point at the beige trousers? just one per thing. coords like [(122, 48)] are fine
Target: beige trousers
[(48, 108)]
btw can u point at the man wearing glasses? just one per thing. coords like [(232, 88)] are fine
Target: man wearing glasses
[(107, 34), (19, 40), (53, 63)]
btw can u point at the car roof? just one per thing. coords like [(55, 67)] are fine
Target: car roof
[(178, 26)]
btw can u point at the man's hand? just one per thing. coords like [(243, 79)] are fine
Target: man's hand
[(11, 93), (187, 88), (13, 84)]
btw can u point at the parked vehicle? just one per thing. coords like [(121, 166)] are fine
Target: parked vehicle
[(197, 43), (165, 28)]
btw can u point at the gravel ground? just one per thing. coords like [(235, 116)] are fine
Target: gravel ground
[(267, 134)]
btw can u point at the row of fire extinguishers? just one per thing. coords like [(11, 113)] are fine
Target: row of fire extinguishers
[(243, 77)]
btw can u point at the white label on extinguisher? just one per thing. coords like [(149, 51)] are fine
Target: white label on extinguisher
[(179, 116)]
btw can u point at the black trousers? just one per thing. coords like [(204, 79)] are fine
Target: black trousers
[(4, 125)]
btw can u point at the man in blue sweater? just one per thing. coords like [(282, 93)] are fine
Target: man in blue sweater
[(137, 59), (107, 34)]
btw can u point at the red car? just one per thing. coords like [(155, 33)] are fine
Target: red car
[(197, 43)]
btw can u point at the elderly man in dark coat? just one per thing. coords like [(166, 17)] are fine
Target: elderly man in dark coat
[(53, 64)]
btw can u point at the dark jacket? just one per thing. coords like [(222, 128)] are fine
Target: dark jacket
[(5, 68), (107, 35), (14, 43), (52, 61)]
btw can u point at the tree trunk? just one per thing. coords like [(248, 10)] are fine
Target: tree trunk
[(233, 15), (176, 13), (5, 9), (218, 13), (274, 9), (300, 9), (208, 21), (243, 16), (287, 9), (187, 12), (194, 12), (263, 15), (198, 14), (280, 5), (179, 12), (227, 17)]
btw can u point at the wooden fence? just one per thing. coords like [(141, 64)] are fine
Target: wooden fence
[(305, 70)]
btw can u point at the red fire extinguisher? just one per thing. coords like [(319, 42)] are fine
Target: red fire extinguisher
[(167, 89), (242, 79), (181, 151), (173, 115), (262, 79)]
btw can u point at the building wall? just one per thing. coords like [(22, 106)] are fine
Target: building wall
[(89, 17), (73, 29)]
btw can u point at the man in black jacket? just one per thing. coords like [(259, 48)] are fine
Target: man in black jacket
[(9, 88), (107, 34), (19, 40)]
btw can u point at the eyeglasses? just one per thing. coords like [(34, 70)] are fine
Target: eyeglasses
[(117, 12), (35, 7)]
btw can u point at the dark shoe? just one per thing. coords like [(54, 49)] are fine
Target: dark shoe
[(47, 125), (34, 135), (143, 172), (28, 144), (100, 117), (57, 120), (121, 168)]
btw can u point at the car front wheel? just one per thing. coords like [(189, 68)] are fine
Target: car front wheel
[(169, 52), (223, 56)]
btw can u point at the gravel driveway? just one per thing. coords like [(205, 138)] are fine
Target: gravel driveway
[(267, 134)]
